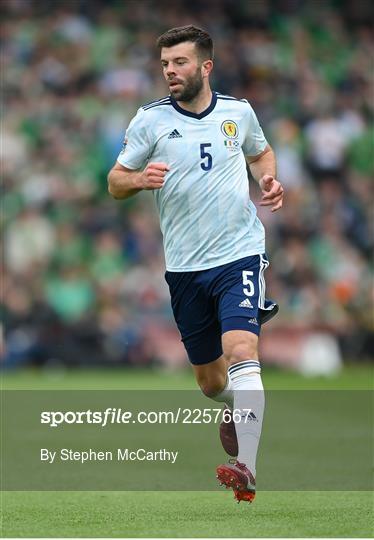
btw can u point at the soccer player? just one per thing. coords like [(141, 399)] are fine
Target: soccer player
[(190, 149)]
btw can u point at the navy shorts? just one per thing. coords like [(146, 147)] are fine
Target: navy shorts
[(208, 303)]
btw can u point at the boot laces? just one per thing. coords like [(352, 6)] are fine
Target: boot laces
[(235, 462)]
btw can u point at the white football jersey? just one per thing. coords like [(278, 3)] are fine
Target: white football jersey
[(206, 216)]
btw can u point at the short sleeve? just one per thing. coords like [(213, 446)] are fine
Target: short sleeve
[(137, 148), (254, 141)]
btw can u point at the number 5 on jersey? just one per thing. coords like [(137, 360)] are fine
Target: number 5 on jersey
[(207, 162), (247, 281)]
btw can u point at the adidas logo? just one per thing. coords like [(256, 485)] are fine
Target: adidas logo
[(249, 416), (174, 134), (253, 321), (246, 303)]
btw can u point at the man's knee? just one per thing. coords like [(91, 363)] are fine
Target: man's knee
[(211, 386), (241, 347), (211, 377)]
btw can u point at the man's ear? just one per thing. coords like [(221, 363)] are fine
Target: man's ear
[(207, 67)]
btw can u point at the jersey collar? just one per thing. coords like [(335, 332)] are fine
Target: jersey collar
[(192, 114)]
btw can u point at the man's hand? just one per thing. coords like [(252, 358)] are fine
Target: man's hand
[(124, 183), (153, 176), (272, 192)]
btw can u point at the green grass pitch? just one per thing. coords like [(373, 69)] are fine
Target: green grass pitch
[(183, 514)]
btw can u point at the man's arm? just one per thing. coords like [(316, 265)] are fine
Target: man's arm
[(124, 183), (263, 169)]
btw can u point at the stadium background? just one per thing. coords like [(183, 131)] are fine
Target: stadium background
[(83, 281)]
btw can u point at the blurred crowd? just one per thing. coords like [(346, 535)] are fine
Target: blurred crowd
[(84, 274)]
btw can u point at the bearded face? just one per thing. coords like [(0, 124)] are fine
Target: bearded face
[(183, 70), (187, 89)]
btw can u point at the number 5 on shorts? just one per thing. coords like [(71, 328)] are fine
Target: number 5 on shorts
[(247, 281)]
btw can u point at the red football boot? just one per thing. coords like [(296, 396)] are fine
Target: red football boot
[(237, 476), (227, 434)]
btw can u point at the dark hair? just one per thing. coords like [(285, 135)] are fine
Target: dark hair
[(202, 40)]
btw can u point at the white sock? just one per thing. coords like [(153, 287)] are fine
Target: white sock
[(227, 394), (248, 394)]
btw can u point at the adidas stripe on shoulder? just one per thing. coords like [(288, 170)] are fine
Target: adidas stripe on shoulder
[(163, 101), (225, 97)]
